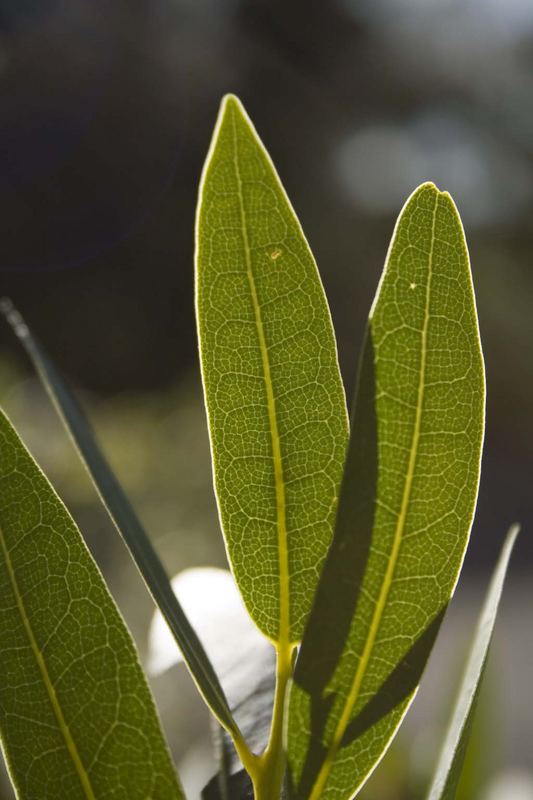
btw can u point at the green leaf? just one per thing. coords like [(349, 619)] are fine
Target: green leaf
[(77, 719), (405, 510), (125, 519), (452, 756), (273, 391), (243, 658)]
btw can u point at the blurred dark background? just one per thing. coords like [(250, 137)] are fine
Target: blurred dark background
[(106, 114)]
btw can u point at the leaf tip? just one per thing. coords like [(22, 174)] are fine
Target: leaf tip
[(441, 194), (231, 111), (427, 189), (13, 317), (231, 103), (429, 185), (6, 306), (513, 531), (432, 187), (230, 99)]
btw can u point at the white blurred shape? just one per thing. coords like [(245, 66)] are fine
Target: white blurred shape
[(195, 768), (511, 16), (513, 784), (213, 604), (475, 45), (380, 165), (376, 163)]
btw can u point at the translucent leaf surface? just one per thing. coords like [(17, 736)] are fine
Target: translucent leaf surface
[(451, 760), (273, 391), (77, 719), (405, 509)]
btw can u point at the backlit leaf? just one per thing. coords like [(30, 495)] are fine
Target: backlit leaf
[(273, 391), (77, 719), (405, 509)]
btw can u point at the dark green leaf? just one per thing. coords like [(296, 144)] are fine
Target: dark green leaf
[(76, 716)]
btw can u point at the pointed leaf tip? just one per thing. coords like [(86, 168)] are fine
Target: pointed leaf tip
[(274, 395)]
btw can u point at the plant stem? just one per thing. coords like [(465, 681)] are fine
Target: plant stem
[(250, 761), (268, 780)]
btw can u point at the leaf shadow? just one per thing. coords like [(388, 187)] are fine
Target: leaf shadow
[(340, 584), (342, 575), (397, 688)]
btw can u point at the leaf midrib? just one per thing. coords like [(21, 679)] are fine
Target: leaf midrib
[(63, 726), (281, 517), (393, 559)]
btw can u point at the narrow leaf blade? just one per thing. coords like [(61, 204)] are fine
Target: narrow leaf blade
[(77, 719), (125, 519), (405, 510), (452, 756), (273, 391), (243, 658)]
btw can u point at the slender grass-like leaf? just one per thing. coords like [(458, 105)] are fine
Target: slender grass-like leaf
[(77, 719), (124, 518), (449, 768), (405, 510), (234, 645), (242, 657), (274, 396)]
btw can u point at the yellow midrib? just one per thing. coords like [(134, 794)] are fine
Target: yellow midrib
[(69, 741), (283, 556), (391, 566)]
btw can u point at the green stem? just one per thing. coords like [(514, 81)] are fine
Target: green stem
[(251, 762), (268, 779)]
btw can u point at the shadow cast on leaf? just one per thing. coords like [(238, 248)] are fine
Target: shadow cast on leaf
[(328, 629)]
